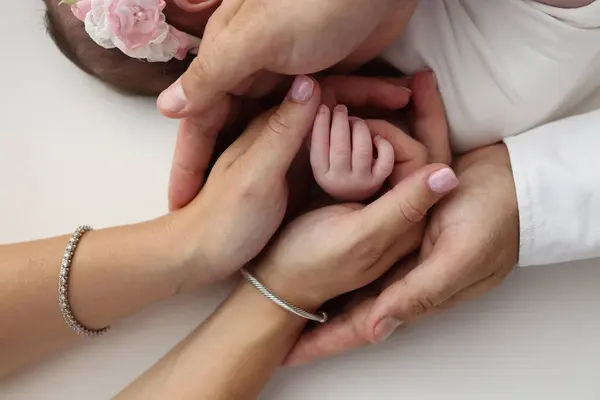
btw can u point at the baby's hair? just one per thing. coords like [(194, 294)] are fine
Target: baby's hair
[(110, 66)]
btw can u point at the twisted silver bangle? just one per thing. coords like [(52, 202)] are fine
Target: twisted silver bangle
[(321, 316), (63, 287)]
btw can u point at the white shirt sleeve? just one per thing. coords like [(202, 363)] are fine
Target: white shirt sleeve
[(556, 168)]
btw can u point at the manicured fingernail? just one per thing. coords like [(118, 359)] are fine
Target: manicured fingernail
[(385, 328), (173, 99), (302, 89), (442, 181)]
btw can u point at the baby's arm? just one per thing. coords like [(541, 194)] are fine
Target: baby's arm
[(342, 156)]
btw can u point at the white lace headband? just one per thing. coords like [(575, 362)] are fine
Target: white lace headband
[(136, 27)]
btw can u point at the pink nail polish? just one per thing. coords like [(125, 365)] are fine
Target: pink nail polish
[(302, 89), (173, 99), (385, 328), (442, 181)]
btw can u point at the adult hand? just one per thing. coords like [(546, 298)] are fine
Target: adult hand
[(471, 244), (295, 37), (340, 248), (246, 194)]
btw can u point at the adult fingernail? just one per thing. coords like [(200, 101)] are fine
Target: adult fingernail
[(173, 99), (432, 80), (385, 328), (302, 89), (442, 181)]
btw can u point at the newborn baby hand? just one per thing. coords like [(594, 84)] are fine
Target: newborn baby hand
[(342, 156)]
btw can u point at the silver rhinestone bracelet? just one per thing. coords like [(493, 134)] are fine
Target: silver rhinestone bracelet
[(321, 316), (63, 287)]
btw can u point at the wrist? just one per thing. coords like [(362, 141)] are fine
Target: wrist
[(188, 259), (166, 248), (288, 288), (261, 307)]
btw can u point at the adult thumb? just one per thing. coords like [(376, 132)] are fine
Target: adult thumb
[(436, 279), (407, 203), (273, 150), (227, 57)]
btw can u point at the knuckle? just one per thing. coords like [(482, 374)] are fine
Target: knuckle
[(249, 186), (340, 152), (200, 69), (279, 124), (366, 252), (387, 163), (421, 305), (410, 212), (363, 153), (421, 155)]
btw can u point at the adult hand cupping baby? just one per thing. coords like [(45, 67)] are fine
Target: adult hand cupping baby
[(340, 248), (245, 197), (244, 38), (471, 244)]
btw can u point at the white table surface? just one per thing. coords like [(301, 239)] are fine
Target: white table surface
[(72, 151)]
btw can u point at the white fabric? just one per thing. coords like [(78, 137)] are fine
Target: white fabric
[(505, 67)]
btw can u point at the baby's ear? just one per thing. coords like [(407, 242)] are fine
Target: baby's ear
[(193, 6)]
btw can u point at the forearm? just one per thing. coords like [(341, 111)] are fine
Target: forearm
[(231, 356), (114, 272)]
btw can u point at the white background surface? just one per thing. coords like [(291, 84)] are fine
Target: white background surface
[(72, 152)]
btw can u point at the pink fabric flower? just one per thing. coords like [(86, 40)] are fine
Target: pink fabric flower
[(136, 22), (136, 27), (81, 8)]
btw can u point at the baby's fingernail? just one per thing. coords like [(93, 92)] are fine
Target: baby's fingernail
[(323, 109), (442, 181), (302, 89), (355, 120), (341, 108), (173, 99), (385, 328)]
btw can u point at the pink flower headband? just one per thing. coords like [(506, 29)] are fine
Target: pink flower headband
[(136, 27)]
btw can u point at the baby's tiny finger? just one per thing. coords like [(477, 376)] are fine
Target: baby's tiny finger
[(341, 147), (384, 164), (362, 148), (319, 149)]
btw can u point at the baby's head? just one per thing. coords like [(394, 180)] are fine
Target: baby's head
[(158, 53)]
